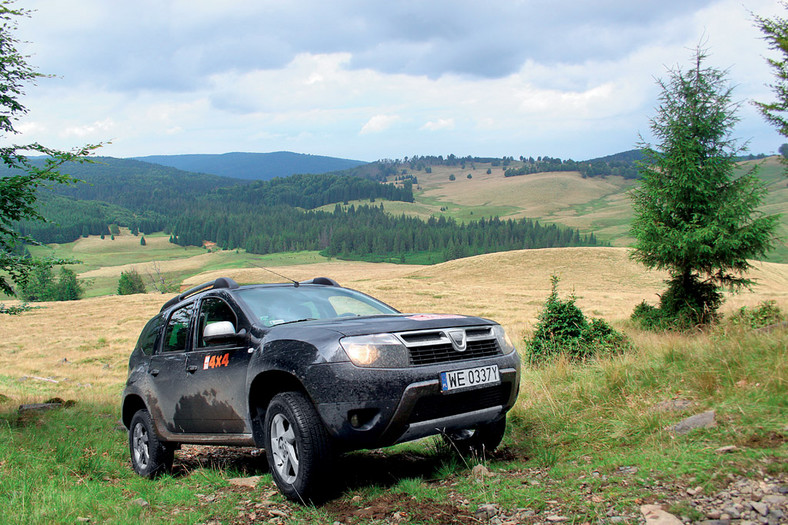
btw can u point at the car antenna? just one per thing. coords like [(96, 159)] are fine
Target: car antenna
[(295, 283)]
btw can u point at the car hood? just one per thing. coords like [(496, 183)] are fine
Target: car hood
[(349, 326)]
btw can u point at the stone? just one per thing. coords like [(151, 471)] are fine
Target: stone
[(703, 420), (140, 502), (486, 511), (480, 471), (656, 516), (556, 519), (760, 508), (727, 450), (248, 482)]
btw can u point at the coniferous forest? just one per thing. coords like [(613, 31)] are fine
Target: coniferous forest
[(277, 215)]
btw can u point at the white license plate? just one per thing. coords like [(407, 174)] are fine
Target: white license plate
[(470, 377)]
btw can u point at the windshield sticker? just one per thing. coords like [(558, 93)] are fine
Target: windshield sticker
[(430, 317)]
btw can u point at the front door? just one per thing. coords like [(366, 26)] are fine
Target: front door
[(216, 401)]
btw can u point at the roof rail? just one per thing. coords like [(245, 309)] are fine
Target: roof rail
[(221, 282), (321, 280)]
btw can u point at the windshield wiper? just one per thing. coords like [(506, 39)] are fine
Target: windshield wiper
[(297, 321)]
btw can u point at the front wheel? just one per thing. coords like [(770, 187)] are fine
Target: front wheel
[(149, 456), (297, 446), (477, 441)]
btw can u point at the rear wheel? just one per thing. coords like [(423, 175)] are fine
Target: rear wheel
[(297, 446), (477, 441), (149, 455)]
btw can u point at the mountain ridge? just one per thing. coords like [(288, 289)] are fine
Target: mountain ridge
[(253, 166)]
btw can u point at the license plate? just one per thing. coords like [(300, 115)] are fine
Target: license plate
[(470, 377)]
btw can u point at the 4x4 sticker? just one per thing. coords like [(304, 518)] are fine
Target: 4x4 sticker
[(215, 361)]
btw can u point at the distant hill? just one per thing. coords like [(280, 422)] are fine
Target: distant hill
[(254, 166)]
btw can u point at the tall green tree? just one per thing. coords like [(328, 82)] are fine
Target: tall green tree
[(18, 192), (695, 214), (775, 32)]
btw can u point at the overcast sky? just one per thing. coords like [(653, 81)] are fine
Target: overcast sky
[(366, 79)]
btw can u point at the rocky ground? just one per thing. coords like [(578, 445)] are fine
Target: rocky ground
[(758, 500)]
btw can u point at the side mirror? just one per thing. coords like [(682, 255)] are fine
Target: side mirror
[(218, 331)]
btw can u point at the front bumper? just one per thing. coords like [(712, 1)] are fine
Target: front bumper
[(370, 408)]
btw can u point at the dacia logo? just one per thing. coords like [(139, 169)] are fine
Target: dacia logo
[(458, 339)]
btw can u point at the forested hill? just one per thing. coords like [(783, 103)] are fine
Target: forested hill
[(275, 215), (254, 166)]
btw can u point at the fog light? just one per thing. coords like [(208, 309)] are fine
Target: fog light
[(363, 418)]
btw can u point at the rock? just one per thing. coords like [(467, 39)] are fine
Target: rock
[(480, 471), (140, 502), (80, 519), (556, 519), (775, 500), (703, 420), (656, 516), (727, 450), (760, 508), (249, 482), (486, 511)]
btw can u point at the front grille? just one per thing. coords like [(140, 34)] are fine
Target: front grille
[(435, 346), (444, 405)]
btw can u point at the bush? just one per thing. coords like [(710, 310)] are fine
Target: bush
[(765, 314), (42, 286), (688, 303), (564, 330), (130, 282)]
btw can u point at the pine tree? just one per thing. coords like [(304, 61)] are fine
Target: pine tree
[(694, 215)]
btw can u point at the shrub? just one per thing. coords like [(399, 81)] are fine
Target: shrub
[(43, 286), (564, 330), (130, 282), (765, 314), (687, 304)]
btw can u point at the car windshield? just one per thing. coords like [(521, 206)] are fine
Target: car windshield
[(288, 304)]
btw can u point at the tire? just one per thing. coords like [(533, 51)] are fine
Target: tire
[(477, 441), (150, 457), (297, 446)]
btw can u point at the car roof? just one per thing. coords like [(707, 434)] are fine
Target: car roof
[(226, 283)]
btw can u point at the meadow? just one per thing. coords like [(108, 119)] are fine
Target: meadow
[(584, 440), (598, 205)]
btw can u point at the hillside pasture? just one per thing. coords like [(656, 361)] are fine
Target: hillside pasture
[(80, 349)]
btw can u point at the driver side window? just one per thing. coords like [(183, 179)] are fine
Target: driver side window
[(214, 310)]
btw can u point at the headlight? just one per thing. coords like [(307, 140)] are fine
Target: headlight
[(378, 350), (503, 340)]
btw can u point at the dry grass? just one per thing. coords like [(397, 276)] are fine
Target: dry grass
[(94, 336)]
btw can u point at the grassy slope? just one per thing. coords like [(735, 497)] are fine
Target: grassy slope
[(570, 422), (594, 205)]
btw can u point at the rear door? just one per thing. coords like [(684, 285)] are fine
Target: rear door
[(168, 369), (217, 399)]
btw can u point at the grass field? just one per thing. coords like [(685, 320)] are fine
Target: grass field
[(571, 420), (593, 205)]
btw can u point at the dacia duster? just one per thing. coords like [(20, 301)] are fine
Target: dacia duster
[(307, 370)]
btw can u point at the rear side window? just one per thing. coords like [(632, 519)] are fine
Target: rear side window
[(177, 333), (150, 335)]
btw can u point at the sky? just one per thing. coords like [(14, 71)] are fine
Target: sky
[(369, 80)]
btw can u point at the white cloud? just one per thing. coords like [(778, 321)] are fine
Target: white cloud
[(379, 123), (372, 80), (441, 123)]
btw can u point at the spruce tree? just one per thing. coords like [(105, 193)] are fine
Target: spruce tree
[(695, 215)]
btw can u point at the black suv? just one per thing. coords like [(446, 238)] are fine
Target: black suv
[(307, 370)]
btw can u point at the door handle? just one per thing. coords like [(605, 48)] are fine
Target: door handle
[(192, 369), (154, 372)]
